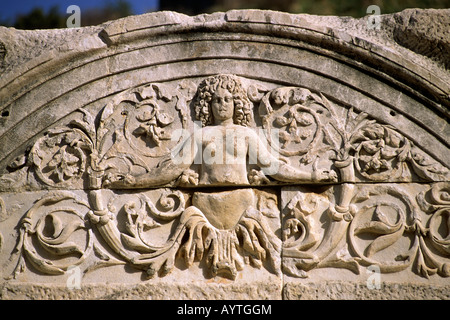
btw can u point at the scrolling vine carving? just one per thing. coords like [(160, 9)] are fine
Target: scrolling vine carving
[(146, 137)]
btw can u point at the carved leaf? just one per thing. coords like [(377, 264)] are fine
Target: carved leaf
[(282, 121), (100, 253), (163, 91), (61, 232), (359, 122), (356, 138), (57, 225), (136, 244), (18, 162), (371, 147), (440, 221), (426, 168), (148, 92), (422, 266), (256, 92), (63, 248), (381, 225), (292, 268), (304, 119), (44, 266), (389, 153), (389, 233), (393, 138), (292, 126), (145, 116), (87, 124), (58, 244), (382, 242)]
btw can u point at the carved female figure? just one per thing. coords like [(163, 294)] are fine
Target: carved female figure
[(225, 144)]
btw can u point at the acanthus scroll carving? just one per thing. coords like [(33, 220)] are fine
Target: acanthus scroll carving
[(231, 134), (387, 226), (56, 223), (226, 246), (295, 136), (149, 231)]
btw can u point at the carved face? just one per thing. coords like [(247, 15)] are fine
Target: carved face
[(222, 104)]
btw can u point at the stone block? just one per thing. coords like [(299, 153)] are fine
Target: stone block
[(241, 155)]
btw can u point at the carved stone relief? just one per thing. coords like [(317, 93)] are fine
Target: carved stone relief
[(219, 175), (384, 225), (148, 230), (136, 145)]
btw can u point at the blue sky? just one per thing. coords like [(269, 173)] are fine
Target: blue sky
[(10, 8)]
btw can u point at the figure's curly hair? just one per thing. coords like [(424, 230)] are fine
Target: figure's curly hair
[(207, 88)]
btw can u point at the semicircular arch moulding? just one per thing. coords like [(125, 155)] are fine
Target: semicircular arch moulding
[(287, 51), (329, 102)]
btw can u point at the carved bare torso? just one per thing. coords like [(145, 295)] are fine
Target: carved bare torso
[(224, 155)]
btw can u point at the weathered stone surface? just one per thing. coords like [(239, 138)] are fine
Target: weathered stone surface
[(240, 155), (148, 291), (338, 290), (420, 32)]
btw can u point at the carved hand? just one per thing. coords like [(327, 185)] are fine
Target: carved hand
[(324, 175), (119, 180)]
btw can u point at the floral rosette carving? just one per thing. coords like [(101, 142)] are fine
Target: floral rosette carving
[(137, 127), (378, 151), (293, 127), (60, 158)]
